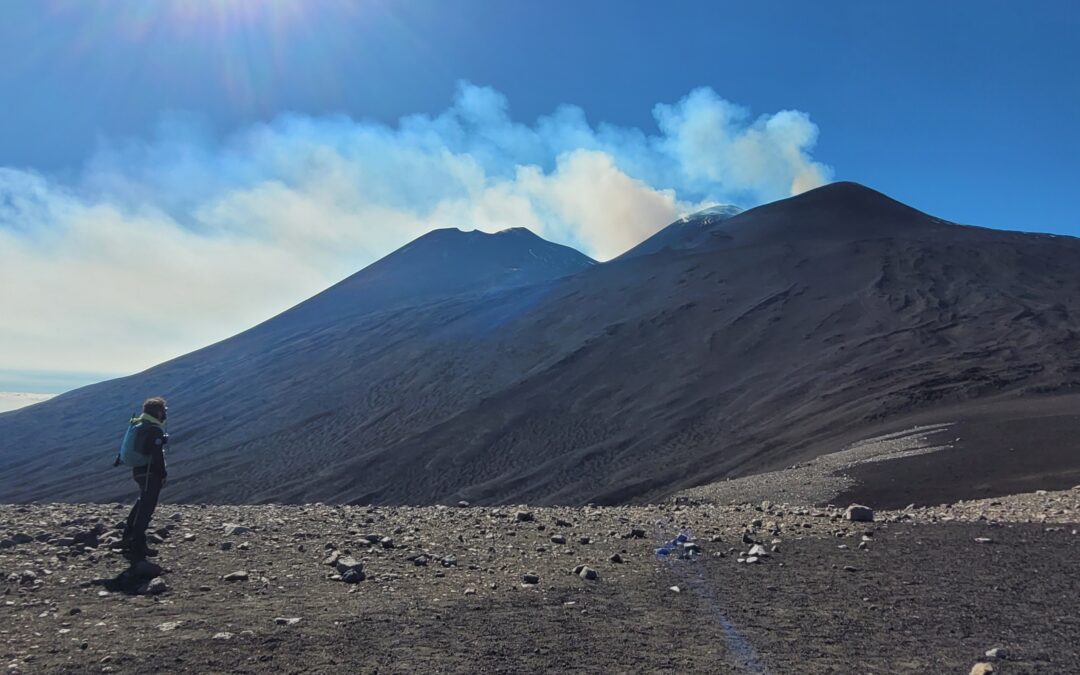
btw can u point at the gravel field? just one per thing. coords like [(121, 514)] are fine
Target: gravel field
[(315, 588)]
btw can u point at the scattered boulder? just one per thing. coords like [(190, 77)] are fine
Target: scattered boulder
[(531, 578), (616, 558), (89, 537), (997, 653), (287, 621), (343, 563), (155, 586), (350, 569), (586, 572), (240, 575), (224, 635), (982, 668), (558, 539), (233, 529), (858, 513), (524, 516)]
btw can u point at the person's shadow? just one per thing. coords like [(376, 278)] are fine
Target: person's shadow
[(133, 580)]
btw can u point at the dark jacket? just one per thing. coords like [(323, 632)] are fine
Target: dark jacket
[(151, 440)]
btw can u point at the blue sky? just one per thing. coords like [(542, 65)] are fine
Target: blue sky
[(197, 124)]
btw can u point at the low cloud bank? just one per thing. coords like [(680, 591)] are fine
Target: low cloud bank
[(10, 400), (160, 246)]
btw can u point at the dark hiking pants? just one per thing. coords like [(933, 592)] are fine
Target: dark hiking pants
[(139, 518)]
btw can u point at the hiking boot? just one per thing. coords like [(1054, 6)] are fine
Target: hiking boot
[(136, 549)]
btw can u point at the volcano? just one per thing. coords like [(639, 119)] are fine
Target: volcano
[(501, 368)]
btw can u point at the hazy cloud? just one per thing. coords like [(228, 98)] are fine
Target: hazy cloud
[(163, 245)]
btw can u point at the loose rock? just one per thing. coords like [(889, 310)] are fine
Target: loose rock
[(859, 513), (153, 587)]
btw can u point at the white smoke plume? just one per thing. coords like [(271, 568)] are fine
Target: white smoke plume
[(163, 245)]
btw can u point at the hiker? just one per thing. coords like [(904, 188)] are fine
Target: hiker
[(144, 450)]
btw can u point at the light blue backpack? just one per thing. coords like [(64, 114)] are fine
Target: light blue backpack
[(129, 453)]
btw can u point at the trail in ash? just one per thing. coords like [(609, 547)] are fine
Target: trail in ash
[(689, 574)]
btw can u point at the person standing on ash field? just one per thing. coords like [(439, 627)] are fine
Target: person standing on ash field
[(143, 449)]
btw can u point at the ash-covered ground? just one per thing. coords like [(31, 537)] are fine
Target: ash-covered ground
[(257, 589)]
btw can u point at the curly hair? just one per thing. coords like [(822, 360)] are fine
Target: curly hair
[(154, 406)]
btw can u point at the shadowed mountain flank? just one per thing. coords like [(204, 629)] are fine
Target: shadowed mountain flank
[(503, 368)]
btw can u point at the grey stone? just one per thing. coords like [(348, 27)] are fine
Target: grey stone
[(587, 573), (240, 575), (353, 575), (859, 513), (155, 586), (344, 564), (524, 516), (531, 578)]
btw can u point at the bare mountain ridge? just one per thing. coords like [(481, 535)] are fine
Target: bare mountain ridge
[(802, 323)]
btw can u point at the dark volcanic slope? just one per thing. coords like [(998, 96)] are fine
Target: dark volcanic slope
[(787, 327), (689, 232)]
